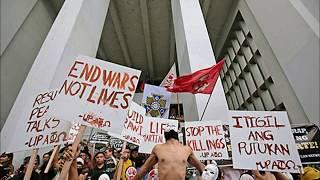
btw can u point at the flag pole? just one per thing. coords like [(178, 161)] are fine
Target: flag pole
[(178, 105), (205, 108)]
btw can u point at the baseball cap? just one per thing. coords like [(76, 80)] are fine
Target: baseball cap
[(80, 160)]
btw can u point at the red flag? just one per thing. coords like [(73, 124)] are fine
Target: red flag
[(202, 81)]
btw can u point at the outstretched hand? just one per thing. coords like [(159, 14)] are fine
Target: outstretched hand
[(69, 155)]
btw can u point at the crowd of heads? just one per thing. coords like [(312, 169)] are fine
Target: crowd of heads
[(103, 164)]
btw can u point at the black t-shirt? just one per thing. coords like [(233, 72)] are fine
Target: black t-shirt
[(96, 172), (110, 166), (20, 176), (3, 172)]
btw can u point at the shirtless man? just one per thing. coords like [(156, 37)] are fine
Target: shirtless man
[(172, 158)]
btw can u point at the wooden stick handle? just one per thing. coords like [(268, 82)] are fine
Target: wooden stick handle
[(67, 164), (28, 174), (120, 164), (56, 148)]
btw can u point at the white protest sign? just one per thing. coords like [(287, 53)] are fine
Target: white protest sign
[(39, 129), (153, 133), (96, 93), (73, 132), (262, 140), (206, 139), (133, 125)]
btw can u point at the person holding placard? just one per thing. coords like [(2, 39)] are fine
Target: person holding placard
[(125, 155), (22, 170), (172, 158)]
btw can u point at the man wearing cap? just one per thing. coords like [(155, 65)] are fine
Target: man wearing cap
[(172, 158)]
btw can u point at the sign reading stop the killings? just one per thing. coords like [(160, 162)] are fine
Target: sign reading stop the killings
[(206, 139), (262, 140), (96, 93)]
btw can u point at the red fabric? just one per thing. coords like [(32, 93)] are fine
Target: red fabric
[(142, 86), (202, 81)]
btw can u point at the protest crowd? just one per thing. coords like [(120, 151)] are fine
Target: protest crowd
[(105, 162), (104, 165), (156, 142)]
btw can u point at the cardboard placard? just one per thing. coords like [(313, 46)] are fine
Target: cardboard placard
[(206, 139), (262, 140), (39, 128), (153, 133), (96, 93), (133, 125)]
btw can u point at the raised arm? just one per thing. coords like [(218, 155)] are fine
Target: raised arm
[(195, 162), (150, 162)]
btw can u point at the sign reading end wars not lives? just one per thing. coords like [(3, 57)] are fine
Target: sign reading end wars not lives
[(96, 93), (262, 140)]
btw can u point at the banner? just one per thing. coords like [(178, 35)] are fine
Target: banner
[(153, 133), (156, 100), (206, 139), (307, 138), (99, 137), (262, 140), (39, 129), (96, 93)]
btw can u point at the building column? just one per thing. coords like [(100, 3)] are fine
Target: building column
[(76, 30), (194, 52)]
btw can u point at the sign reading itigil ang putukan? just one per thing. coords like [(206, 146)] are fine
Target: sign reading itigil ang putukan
[(262, 140), (206, 139), (96, 93)]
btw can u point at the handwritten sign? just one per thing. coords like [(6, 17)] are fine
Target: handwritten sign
[(206, 139), (40, 129), (96, 93), (307, 138), (133, 125), (154, 132), (263, 140)]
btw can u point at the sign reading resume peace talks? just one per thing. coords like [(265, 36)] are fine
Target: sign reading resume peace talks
[(262, 140), (96, 93)]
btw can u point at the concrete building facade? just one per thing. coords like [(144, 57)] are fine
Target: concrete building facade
[(271, 48)]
